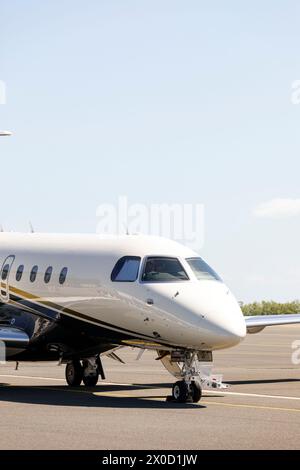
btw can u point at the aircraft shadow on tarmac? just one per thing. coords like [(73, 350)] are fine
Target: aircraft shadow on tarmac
[(260, 381), (58, 395)]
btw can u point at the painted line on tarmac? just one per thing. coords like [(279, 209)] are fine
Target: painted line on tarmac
[(257, 407), (255, 395), (31, 377), (64, 380)]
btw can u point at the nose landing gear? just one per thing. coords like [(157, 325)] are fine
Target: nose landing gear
[(194, 368), (189, 389)]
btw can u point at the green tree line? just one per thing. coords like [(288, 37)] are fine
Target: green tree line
[(270, 308)]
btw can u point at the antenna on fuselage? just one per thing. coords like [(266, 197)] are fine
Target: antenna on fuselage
[(31, 229), (126, 229)]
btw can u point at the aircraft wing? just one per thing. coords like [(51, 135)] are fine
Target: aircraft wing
[(257, 323)]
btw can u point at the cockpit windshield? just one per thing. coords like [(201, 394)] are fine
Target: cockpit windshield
[(163, 269), (202, 270)]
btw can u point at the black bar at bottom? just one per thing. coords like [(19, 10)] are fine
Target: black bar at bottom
[(157, 458)]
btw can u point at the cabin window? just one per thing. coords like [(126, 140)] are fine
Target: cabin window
[(33, 273), (126, 269), (63, 275), (19, 272), (5, 272), (163, 269), (48, 274), (202, 270)]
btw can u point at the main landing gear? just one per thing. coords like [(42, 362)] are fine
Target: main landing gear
[(86, 371)]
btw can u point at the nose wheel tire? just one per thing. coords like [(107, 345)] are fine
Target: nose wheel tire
[(180, 392), (196, 391), (74, 373), (183, 393), (90, 380)]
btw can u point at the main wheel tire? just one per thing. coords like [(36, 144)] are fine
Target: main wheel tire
[(74, 373), (196, 391), (180, 391), (90, 380)]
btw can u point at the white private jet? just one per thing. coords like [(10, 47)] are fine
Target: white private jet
[(74, 298)]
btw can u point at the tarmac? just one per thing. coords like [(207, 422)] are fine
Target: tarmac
[(260, 409)]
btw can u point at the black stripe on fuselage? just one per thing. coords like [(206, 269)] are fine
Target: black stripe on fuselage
[(40, 309)]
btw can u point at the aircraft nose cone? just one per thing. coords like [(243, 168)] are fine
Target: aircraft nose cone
[(220, 309), (231, 321), (236, 328)]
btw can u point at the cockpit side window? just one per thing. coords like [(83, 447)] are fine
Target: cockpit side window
[(202, 270), (163, 269), (126, 269)]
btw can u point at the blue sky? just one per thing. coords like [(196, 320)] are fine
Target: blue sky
[(162, 101)]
